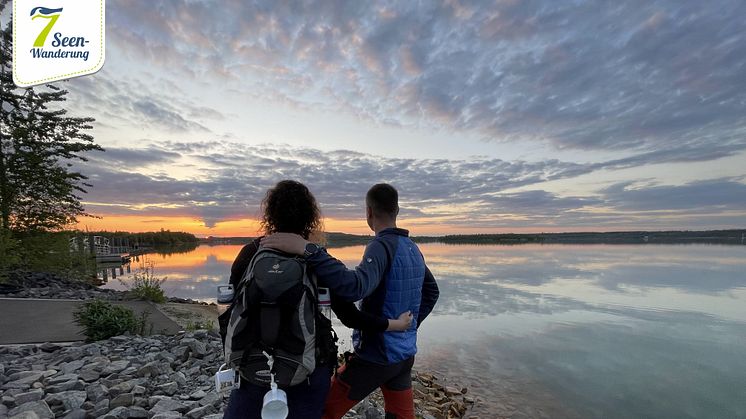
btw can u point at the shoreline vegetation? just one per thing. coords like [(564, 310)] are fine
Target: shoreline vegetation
[(732, 236)]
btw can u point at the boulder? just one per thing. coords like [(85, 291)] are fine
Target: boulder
[(69, 399), (31, 396), (126, 399), (166, 405), (40, 408)]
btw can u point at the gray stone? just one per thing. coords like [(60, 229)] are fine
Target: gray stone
[(179, 378), (96, 392), (26, 415), (73, 366), (197, 395), (199, 350), (166, 415), (120, 412), (8, 400), (31, 396), (168, 388), (120, 388), (26, 376), (3, 410), (125, 399), (181, 353), (115, 367), (40, 407), (212, 399), (139, 390), (200, 412), (89, 375), (69, 399), (62, 379), (152, 400), (215, 416), (76, 414), (66, 386), (102, 406), (151, 369), (137, 412), (166, 405), (49, 347)]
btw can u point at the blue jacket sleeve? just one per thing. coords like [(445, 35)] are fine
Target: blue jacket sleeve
[(430, 294), (351, 284)]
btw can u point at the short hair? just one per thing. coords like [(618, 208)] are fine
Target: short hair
[(383, 200)]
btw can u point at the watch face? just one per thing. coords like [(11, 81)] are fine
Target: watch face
[(311, 248)]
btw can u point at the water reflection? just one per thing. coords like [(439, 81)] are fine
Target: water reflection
[(567, 330)]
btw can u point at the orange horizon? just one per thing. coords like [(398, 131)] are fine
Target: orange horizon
[(249, 227)]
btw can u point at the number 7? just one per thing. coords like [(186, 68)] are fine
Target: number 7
[(43, 35)]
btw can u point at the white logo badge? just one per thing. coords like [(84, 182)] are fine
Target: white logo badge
[(57, 40)]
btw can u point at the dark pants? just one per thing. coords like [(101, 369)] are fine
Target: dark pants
[(358, 378), (305, 401)]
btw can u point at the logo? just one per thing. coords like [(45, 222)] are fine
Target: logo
[(56, 41), (275, 269)]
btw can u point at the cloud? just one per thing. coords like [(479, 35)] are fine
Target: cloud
[(133, 103), (224, 184), (659, 80)]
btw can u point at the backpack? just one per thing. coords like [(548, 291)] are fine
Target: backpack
[(275, 310)]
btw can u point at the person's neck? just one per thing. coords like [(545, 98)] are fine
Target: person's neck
[(383, 225)]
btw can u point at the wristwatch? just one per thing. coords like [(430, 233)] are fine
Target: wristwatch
[(310, 250)]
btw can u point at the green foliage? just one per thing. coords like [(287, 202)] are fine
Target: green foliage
[(50, 252), (145, 284), (9, 249), (151, 238), (38, 143), (102, 320)]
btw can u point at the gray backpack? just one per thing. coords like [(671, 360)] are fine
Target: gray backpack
[(275, 310)]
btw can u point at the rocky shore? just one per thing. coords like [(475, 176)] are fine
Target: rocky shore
[(144, 376), (23, 284)]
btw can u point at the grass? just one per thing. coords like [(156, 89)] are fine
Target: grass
[(145, 284)]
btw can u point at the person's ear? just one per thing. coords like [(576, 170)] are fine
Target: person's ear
[(397, 210), (368, 212)]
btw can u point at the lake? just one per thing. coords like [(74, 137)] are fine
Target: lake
[(565, 331)]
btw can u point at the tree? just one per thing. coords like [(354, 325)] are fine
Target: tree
[(38, 144)]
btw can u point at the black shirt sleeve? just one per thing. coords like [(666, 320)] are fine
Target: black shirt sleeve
[(353, 318), (242, 262), (430, 294)]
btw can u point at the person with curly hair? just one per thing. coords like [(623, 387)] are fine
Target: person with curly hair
[(289, 207)]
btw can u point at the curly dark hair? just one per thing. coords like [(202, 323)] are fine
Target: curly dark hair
[(290, 207)]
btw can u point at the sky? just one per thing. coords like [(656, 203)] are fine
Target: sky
[(500, 116)]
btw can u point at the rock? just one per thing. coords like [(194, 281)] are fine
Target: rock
[(165, 405), (76, 414), (120, 388), (49, 347), (89, 375), (40, 408), (212, 399), (61, 379), (197, 395), (139, 390), (200, 412), (26, 415), (30, 396), (169, 388), (198, 349), (115, 367), (120, 412), (452, 391), (69, 399), (152, 369), (137, 412), (179, 378), (8, 400), (96, 392), (102, 406), (66, 386), (125, 399), (3, 410), (73, 366), (166, 415), (181, 353)]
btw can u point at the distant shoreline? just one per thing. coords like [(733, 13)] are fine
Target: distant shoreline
[(734, 236)]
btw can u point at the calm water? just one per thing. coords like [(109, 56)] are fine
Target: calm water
[(624, 331)]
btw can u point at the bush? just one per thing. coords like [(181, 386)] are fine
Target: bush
[(9, 249), (50, 252), (102, 320), (145, 284)]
